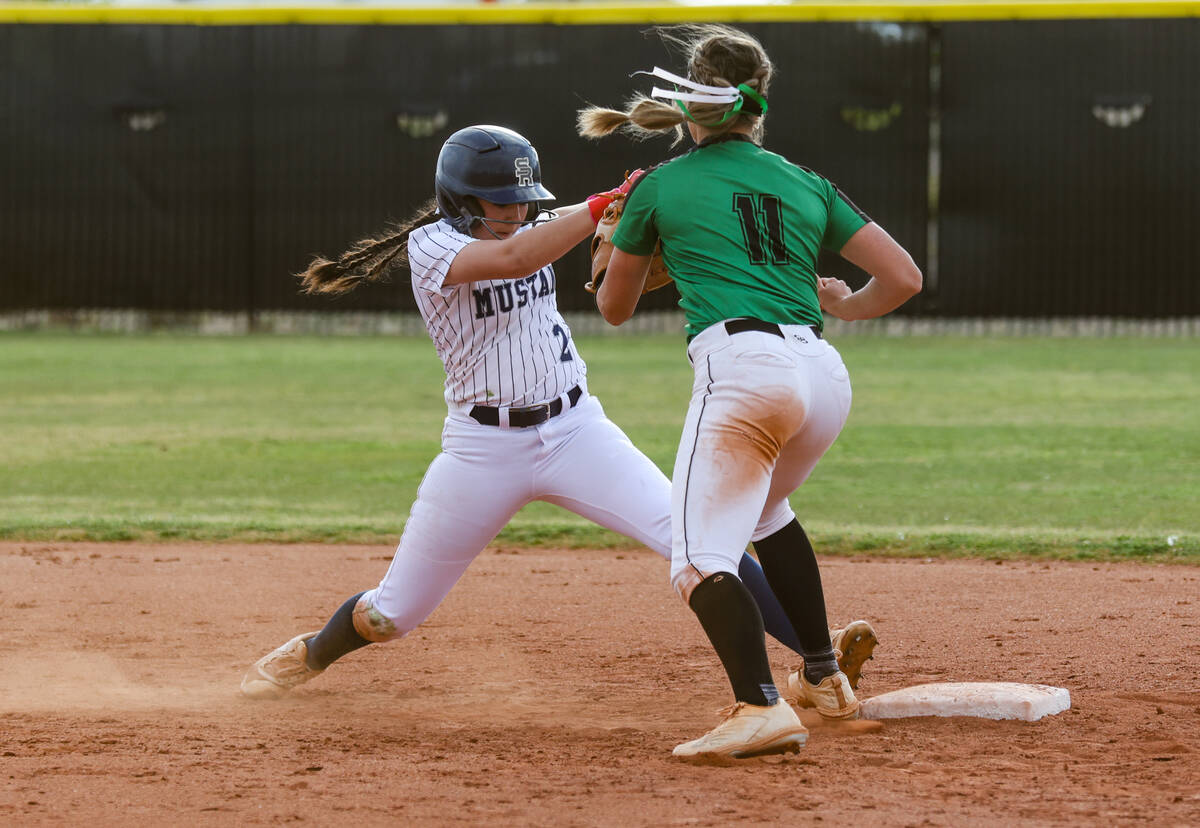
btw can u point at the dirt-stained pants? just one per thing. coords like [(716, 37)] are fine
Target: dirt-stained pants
[(764, 409)]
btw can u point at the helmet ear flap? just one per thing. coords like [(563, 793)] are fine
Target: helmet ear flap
[(471, 209), (459, 209)]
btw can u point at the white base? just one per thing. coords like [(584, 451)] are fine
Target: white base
[(983, 699)]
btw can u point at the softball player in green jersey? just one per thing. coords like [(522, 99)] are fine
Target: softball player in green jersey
[(741, 229)]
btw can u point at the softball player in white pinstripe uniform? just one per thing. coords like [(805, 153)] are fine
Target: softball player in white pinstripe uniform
[(521, 425)]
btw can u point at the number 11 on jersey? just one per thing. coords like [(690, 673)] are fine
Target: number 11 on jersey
[(761, 217)]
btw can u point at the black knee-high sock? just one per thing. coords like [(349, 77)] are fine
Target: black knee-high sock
[(336, 639), (775, 619), (790, 564), (731, 621)]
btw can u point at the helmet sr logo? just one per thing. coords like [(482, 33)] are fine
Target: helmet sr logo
[(486, 163), (524, 171)]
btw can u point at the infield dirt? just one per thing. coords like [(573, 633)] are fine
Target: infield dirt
[(551, 685)]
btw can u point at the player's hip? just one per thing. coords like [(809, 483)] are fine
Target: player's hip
[(520, 433), (763, 363)]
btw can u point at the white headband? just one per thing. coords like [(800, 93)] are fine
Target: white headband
[(699, 94)]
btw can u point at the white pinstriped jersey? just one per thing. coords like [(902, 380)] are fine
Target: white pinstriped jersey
[(502, 342)]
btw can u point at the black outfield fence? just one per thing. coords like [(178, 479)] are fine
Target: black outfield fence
[(1034, 168), (1070, 177)]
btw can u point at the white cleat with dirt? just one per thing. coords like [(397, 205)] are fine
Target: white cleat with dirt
[(749, 730), (276, 673), (832, 696)]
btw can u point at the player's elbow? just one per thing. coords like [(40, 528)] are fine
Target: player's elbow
[(612, 313), (910, 279), (612, 307), (903, 278)]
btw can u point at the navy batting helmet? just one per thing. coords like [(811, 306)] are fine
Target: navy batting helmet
[(488, 162)]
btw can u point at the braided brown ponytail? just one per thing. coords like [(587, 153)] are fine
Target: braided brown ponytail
[(367, 260)]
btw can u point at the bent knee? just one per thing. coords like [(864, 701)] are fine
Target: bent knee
[(686, 580), (773, 519)]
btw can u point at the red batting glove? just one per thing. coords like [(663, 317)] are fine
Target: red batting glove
[(599, 202), (630, 180)]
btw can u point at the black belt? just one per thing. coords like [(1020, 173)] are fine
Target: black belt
[(528, 416), (736, 326)]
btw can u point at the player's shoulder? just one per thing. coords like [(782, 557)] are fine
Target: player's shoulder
[(431, 249), (436, 241), (652, 173), (795, 168), (434, 229), (823, 186), (805, 177)]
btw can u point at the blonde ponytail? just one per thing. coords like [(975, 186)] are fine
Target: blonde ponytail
[(643, 118), (717, 56)]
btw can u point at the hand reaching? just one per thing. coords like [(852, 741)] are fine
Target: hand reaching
[(599, 201)]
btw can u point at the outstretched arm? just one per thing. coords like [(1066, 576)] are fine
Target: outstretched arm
[(523, 253)]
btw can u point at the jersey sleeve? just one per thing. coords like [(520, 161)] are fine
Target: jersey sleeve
[(637, 234), (845, 219), (431, 249)]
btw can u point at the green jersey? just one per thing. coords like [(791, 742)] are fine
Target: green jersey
[(741, 229)]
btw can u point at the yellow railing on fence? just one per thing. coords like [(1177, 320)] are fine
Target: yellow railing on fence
[(585, 12)]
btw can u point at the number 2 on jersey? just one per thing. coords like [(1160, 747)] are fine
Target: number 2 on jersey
[(761, 216), (565, 356)]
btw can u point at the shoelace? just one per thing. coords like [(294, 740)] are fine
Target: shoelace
[(726, 713), (294, 667)]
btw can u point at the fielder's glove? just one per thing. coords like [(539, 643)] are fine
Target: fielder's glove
[(602, 248)]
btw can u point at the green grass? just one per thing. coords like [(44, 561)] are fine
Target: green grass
[(1086, 448)]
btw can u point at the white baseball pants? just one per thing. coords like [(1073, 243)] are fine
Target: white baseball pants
[(579, 460), (764, 410)]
